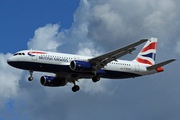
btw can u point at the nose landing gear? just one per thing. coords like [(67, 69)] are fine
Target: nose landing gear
[(31, 73)]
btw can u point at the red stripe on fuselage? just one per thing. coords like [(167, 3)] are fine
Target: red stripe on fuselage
[(143, 61), (37, 52), (150, 46)]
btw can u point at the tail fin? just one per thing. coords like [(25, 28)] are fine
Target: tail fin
[(148, 52)]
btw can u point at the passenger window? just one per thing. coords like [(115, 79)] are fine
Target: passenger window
[(23, 54)]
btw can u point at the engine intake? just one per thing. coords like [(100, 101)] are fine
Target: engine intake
[(81, 66), (52, 81)]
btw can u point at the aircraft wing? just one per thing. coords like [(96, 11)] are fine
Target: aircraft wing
[(104, 59)]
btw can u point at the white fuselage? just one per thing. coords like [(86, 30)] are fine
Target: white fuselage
[(59, 63)]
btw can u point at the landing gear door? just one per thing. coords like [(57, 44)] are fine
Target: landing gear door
[(136, 66)]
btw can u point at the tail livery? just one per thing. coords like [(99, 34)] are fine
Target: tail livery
[(148, 52)]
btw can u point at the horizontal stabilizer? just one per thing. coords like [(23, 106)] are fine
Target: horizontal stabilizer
[(160, 64)]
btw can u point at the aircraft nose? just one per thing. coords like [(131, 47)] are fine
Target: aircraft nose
[(10, 61), (14, 62)]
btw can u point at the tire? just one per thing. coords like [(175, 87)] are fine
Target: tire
[(95, 79), (75, 88), (30, 78)]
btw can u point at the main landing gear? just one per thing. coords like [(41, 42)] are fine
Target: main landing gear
[(95, 79), (75, 87), (31, 73)]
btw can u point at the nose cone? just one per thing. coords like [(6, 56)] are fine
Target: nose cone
[(14, 61), (10, 61)]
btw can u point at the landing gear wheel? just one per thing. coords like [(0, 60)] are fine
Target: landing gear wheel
[(95, 79), (75, 88), (31, 73), (30, 78)]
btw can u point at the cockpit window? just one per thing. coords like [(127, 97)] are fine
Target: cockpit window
[(19, 54), (15, 54)]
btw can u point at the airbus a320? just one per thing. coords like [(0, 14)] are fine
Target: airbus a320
[(71, 68)]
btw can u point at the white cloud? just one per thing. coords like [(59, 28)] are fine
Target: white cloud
[(110, 19), (81, 30), (87, 49), (9, 77), (46, 38), (114, 23), (162, 15)]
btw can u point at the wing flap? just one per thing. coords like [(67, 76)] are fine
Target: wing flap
[(113, 53), (102, 60), (118, 55)]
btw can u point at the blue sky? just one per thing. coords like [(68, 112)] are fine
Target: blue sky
[(20, 18), (90, 27)]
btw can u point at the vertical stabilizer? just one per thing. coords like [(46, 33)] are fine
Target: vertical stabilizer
[(148, 52)]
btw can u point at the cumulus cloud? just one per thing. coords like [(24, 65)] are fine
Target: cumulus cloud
[(46, 38), (162, 15), (116, 23), (9, 78), (9, 82), (87, 49)]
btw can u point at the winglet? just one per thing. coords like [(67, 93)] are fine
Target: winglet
[(159, 65)]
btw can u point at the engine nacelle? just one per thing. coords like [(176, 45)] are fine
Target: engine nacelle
[(81, 66), (52, 81)]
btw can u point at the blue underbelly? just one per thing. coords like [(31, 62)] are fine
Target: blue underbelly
[(42, 67)]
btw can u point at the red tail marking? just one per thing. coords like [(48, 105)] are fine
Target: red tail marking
[(143, 61), (150, 46)]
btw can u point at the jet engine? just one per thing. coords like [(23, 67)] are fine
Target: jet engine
[(52, 81), (81, 66)]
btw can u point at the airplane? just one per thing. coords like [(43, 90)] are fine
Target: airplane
[(69, 68)]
